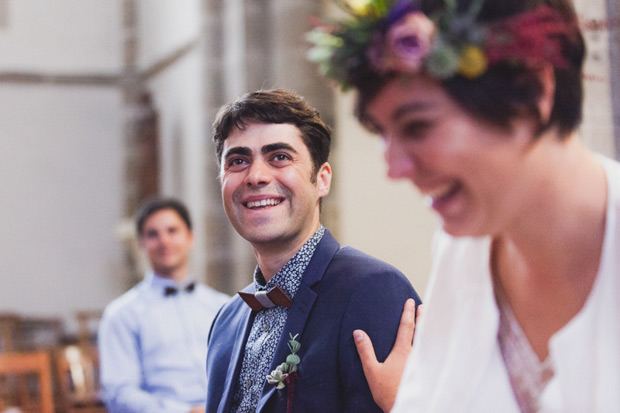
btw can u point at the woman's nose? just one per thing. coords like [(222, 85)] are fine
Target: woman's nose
[(400, 164)]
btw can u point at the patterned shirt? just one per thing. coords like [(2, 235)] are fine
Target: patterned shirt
[(268, 326)]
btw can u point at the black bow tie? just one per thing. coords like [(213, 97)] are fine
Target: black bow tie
[(173, 290), (266, 299)]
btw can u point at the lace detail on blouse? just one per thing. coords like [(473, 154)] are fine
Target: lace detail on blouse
[(528, 375)]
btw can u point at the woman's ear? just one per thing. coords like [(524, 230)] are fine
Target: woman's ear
[(547, 97)]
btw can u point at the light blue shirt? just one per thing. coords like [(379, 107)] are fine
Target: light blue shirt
[(153, 347)]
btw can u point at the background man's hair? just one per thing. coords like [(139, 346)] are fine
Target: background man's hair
[(153, 205)]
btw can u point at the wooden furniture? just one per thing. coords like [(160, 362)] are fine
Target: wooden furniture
[(88, 324), (78, 372), (29, 333), (9, 332), (40, 333), (23, 394)]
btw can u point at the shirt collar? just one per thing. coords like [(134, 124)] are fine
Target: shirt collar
[(289, 277), (159, 283)]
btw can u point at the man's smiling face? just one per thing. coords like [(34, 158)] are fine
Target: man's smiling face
[(268, 189)]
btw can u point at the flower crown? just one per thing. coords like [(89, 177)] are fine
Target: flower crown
[(386, 36)]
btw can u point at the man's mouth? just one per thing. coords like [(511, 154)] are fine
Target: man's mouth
[(263, 203)]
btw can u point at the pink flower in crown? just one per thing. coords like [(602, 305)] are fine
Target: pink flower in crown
[(406, 45)]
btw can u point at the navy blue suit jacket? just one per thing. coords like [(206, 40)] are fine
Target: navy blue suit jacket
[(342, 290)]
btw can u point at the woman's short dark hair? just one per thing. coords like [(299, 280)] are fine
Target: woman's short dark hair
[(274, 106), (506, 90), (153, 205)]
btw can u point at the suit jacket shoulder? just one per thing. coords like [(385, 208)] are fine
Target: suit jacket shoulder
[(342, 290)]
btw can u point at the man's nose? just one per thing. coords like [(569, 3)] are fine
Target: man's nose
[(258, 173)]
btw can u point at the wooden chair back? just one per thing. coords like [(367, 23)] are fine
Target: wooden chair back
[(88, 325), (9, 332), (32, 363), (29, 333), (78, 370)]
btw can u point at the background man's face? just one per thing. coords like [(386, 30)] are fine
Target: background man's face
[(167, 242)]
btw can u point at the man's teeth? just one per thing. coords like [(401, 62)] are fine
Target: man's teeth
[(263, 203)]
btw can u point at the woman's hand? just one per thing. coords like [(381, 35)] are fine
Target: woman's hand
[(384, 378)]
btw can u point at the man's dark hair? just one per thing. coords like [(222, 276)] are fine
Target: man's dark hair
[(274, 106), (506, 90), (153, 205)]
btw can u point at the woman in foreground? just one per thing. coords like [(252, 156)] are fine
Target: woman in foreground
[(477, 104)]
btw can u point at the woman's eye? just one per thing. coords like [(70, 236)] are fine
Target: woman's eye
[(415, 130)]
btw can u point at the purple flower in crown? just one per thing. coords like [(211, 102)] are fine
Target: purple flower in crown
[(409, 41), (405, 45)]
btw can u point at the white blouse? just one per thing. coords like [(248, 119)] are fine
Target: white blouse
[(457, 365)]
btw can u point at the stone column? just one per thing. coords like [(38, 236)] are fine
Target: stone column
[(4, 13), (230, 258), (141, 142)]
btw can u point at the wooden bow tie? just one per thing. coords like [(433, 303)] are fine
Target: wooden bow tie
[(266, 299)]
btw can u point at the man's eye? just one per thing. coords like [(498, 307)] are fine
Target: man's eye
[(281, 157), (236, 162)]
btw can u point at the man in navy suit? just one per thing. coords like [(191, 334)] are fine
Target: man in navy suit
[(295, 322)]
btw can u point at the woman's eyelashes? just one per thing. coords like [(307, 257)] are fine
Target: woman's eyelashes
[(415, 129)]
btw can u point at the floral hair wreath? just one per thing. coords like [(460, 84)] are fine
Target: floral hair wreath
[(396, 36)]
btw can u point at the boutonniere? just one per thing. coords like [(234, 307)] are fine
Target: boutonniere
[(286, 373)]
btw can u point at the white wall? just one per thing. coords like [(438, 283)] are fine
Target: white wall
[(61, 164), (62, 158), (378, 216), (62, 36), (63, 145), (164, 26), (597, 127)]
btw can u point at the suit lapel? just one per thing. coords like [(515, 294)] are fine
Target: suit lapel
[(236, 357), (302, 305)]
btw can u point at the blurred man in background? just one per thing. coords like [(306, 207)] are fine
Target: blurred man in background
[(153, 339)]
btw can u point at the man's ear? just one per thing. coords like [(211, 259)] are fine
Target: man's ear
[(547, 97), (324, 179)]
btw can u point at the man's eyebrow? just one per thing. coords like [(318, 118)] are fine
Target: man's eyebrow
[(237, 150), (277, 146)]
